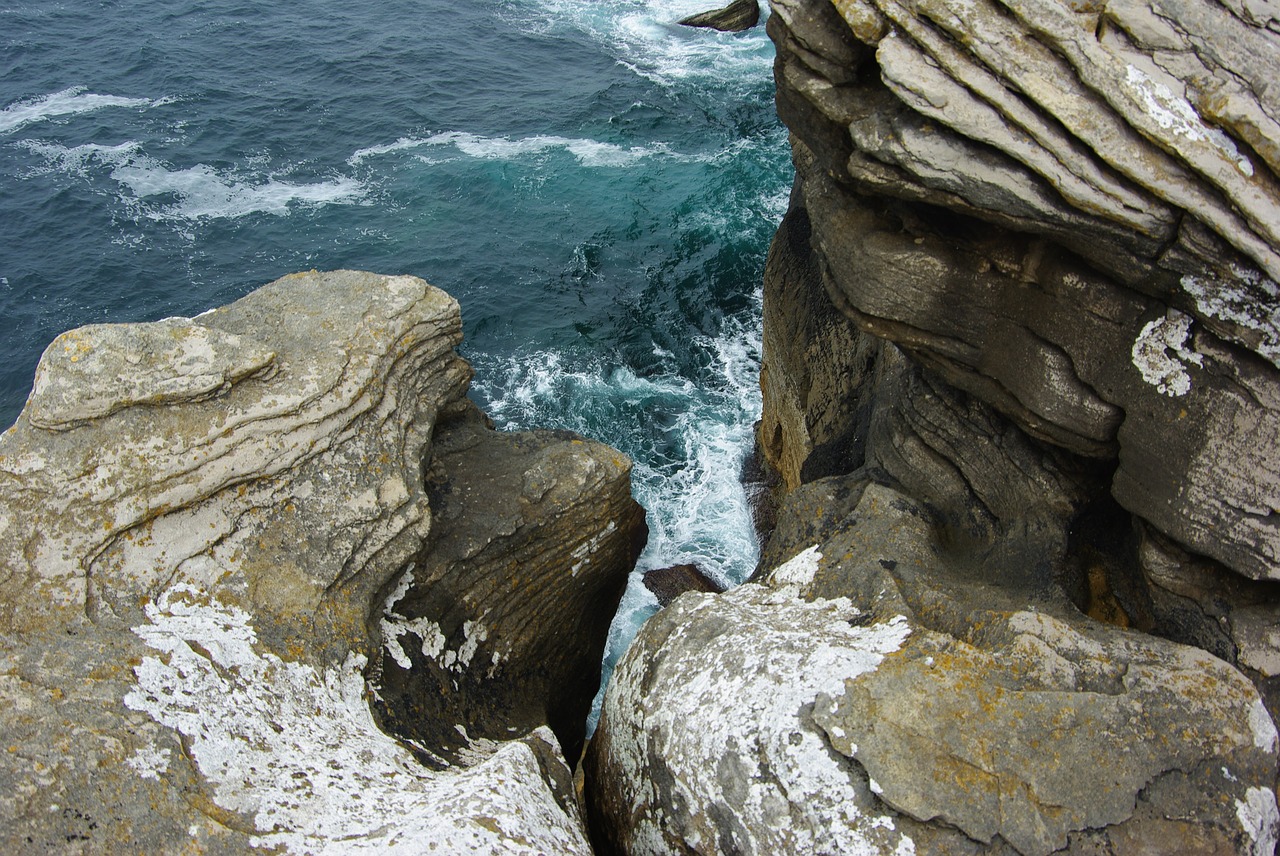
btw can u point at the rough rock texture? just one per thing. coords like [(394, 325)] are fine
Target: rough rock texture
[(854, 703), (1069, 211), (520, 578), (737, 16), (1066, 213), (200, 523)]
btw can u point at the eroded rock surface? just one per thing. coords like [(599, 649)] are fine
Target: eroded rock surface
[(517, 585), (872, 694), (1029, 202), (1069, 211), (200, 523)]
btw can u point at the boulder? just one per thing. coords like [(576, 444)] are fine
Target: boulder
[(201, 524), (873, 695), (669, 583), (491, 630), (737, 16)]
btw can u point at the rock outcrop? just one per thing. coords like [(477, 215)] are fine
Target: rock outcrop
[(209, 526), (942, 716), (1021, 391), (737, 16)]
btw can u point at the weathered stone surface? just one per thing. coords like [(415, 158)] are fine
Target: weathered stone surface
[(533, 536), (1067, 210), (876, 694), (739, 15), (194, 557), (1020, 388), (720, 757)]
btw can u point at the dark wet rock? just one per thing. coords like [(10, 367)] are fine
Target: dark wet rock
[(667, 584), (737, 16), (499, 625)]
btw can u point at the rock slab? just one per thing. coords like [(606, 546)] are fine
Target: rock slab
[(737, 16)]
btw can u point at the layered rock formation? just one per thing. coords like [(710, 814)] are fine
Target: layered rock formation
[(1021, 390), (209, 526), (737, 16)]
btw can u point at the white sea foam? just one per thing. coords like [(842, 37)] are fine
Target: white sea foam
[(200, 191), (68, 102), (645, 37), (589, 153)]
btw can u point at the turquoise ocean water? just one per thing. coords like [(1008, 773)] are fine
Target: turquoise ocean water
[(595, 184)]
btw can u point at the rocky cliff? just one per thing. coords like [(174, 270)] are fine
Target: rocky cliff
[(1022, 392), (227, 542)]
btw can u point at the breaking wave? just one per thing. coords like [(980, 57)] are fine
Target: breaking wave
[(68, 102), (197, 192)]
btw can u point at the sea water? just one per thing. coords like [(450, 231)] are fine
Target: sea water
[(595, 184)]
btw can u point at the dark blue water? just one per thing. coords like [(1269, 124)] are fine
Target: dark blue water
[(596, 185)]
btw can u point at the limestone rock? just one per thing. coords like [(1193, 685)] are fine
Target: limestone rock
[(194, 557), (739, 15), (1067, 210), (872, 695)]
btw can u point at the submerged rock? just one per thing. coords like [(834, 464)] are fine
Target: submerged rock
[(200, 522), (737, 16)]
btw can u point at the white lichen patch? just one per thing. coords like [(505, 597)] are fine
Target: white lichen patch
[(1242, 303), (1161, 355), (584, 551), (799, 569), (1264, 729), (296, 750), (149, 762), (732, 729), (1175, 114), (1259, 816), (433, 642)]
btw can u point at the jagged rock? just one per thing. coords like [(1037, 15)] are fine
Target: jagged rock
[(1067, 210), (873, 695), (533, 536), (737, 16), (1020, 383), (667, 584), (195, 550)]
